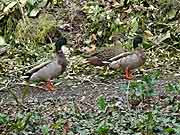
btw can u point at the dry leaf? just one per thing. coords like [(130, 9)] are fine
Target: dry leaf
[(66, 127)]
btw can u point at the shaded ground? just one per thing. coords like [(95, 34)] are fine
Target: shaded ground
[(84, 93)]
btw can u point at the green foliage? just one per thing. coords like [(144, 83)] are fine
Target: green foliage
[(35, 31), (30, 7), (173, 88), (4, 119), (20, 122), (101, 103), (103, 22), (58, 124), (122, 120), (133, 17), (45, 130), (142, 89), (103, 129), (148, 123)]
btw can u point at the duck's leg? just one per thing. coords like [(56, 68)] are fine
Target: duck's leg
[(49, 86), (128, 74)]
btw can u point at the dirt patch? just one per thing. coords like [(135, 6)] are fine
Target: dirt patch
[(84, 93)]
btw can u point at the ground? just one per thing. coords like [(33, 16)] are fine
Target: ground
[(81, 92), (85, 92)]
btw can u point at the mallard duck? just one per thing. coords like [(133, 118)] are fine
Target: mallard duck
[(50, 69), (102, 55), (117, 57)]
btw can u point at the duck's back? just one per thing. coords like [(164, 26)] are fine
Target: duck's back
[(107, 53)]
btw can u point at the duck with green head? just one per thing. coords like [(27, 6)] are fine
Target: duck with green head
[(116, 57), (50, 69)]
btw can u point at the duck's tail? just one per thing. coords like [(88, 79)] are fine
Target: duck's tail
[(26, 77)]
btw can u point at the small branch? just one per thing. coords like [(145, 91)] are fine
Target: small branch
[(20, 84), (96, 83), (21, 10), (5, 87), (12, 93), (31, 85), (127, 95)]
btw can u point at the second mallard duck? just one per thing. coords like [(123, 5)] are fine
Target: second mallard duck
[(50, 69), (116, 57)]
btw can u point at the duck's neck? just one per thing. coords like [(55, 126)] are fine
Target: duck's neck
[(61, 59)]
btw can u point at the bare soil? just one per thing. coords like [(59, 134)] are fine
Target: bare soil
[(84, 93)]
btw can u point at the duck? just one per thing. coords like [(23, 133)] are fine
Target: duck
[(50, 69), (116, 57), (103, 54)]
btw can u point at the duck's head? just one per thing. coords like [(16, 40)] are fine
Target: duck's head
[(59, 43), (137, 40)]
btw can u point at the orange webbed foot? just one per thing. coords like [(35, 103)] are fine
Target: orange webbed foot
[(49, 86), (128, 74)]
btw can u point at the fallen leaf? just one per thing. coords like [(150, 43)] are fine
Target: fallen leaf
[(11, 5), (66, 127)]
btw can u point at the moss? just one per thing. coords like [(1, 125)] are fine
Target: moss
[(35, 30)]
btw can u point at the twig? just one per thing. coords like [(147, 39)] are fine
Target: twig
[(12, 93), (151, 69), (6, 86), (31, 85), (95, 84), (171, 46), (127, 95), (165, 46), (21, 84), (88, 104), (21, 10)]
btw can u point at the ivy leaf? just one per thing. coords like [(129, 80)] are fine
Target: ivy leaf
[(134, 25), (3, 118), (2, 41), (102, 129), (101, 103), (32, 2), (45, 130), (169, 130), (171, 13), (34, 12)]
